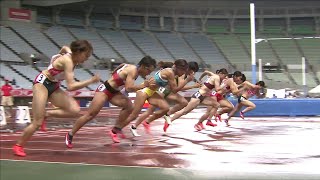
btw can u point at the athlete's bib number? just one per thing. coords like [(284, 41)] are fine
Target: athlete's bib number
[(197, 94), (161, 89), (102, 87), (41, 78)]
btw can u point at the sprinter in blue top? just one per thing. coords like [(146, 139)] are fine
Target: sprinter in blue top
[(163, 77)]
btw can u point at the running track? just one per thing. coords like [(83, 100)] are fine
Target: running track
[(255, 148)]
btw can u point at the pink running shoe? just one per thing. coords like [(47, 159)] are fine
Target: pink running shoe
[(241, 114), (18, 150), (43, 126), (209, 123), (114, 137), (146, 127), (165, 126)]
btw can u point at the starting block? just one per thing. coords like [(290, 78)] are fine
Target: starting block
[(3, 120), (23, 115)]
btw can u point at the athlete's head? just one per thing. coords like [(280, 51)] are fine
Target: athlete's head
[(193, 67), (237, 76), (180, 67), (146, 65), (165, 64), (222, 73), (81, 50), (261, 84), (262, 89), (243, 79)]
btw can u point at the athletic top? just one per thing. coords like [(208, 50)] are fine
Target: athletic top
[(208, 85), (57, 74), (117, 79), (159, 81), (251, 92)]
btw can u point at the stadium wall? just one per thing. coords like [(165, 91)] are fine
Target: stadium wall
[(284, 107)]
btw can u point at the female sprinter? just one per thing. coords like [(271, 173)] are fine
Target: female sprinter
[(123, 76), (163, 77), (180, 101), (47, 87), (248, 90), (230, 85), (201, 96)]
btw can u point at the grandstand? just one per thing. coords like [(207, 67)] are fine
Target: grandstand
[(127, 32)]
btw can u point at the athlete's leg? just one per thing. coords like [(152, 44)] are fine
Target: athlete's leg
[(139, 101), (158, 101), (39, 101), (235, 109), (193, 103), (180, 102), (95, 106), (125, 103), (67, 106), (250, 106), (144, 115), (212, 107)]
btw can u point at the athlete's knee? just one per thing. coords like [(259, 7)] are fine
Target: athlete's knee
[(253, 106)]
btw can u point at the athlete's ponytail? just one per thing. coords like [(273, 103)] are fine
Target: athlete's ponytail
[(165, 64)]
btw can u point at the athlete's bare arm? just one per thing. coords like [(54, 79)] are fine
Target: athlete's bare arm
[(131, 76), (73, 85), (172, 83)]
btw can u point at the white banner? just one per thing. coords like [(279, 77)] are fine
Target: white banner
[(3, 120), (23, 115)]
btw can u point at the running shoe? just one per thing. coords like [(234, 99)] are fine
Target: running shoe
[(18, 150), (165, 126), (168, 119), (210, 123), (241, 114), (114, 137), (68, 140), (134, 131), (146, 127), (43, 126)]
